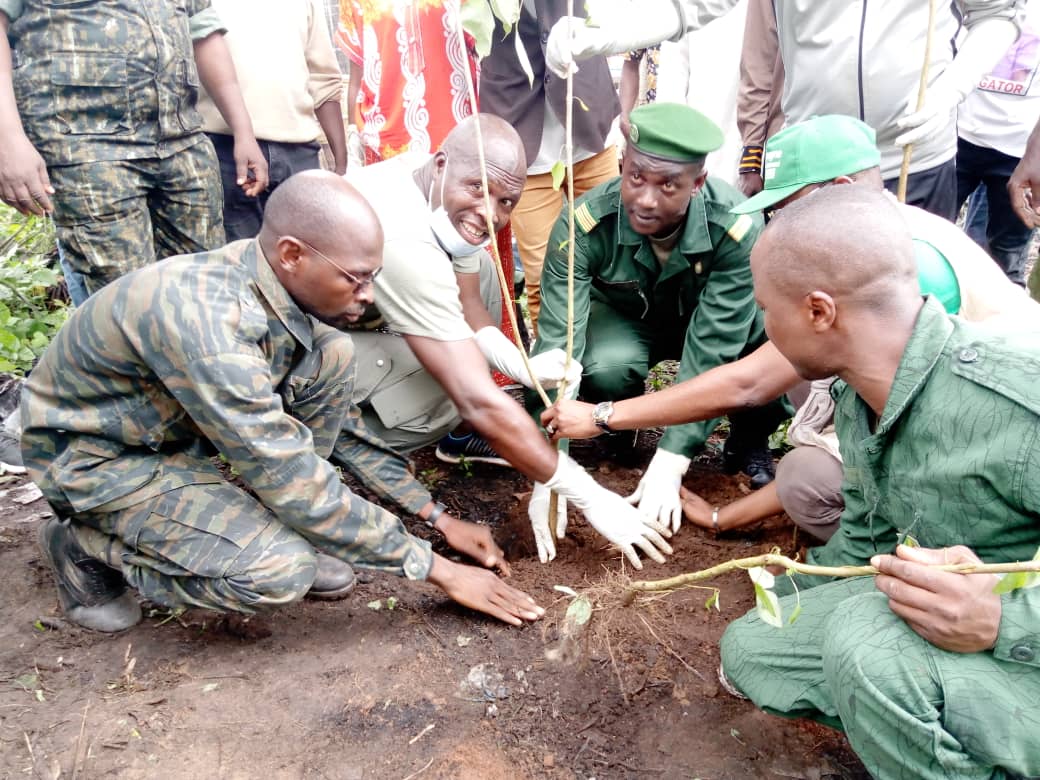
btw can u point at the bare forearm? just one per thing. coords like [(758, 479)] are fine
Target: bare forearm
[(330, 117), (217, 73), (751, 381), (10, 121), (750, 508)]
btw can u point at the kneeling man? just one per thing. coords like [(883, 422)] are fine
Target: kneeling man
[(930, 674)]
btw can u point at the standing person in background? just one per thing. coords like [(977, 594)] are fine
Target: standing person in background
[(992, 126), (838, 60), (537, 111), (100, 127), (759, 116), (1024, 181), (291, 85)]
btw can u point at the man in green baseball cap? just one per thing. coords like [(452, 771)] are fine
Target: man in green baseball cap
[(811, 154), (661, 272)]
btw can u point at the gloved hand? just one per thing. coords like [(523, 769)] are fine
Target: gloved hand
[(984, 44), (538, 512), (609, 513), (355, 148), (504, 356), (657, 493), (612, 27)]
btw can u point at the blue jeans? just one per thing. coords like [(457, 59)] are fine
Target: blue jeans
[(983, 174), (73, 280), (243, 214)]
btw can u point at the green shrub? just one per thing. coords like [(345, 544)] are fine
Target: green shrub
[(29, 314)]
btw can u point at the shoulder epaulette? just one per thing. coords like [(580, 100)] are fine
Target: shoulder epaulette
[(583, 218), (740, 227)]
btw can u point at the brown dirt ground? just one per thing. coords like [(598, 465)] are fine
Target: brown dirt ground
[(341, 690)]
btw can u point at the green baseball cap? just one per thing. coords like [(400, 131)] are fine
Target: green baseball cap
[(810, 152), (673, 131)]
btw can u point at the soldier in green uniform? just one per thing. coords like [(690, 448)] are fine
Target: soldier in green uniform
[(99, 126), (230, 352), (661, 272), (932, 675)]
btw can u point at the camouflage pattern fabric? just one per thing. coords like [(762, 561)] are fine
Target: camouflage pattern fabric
[(117, 215), (953, 460), (201, 353), (113, 80)]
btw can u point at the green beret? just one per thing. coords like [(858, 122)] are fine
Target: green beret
[(673, 131)]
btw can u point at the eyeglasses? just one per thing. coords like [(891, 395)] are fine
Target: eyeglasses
[(360, 282)]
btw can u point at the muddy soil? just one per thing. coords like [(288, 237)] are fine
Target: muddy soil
[(356, 689)]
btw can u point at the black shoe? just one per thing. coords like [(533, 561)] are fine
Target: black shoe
[(10, 454), (471, 448), (335, 579), (756, 462), (91, 593)]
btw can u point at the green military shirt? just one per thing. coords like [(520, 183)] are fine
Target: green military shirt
[(704, 289), (954, 459), (113, 80), (192, 352)]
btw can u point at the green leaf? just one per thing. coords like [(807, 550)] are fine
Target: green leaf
[(559, 172), (794, 614), (579, 611), (713, 601), (391, 602), (1018, 580), (909, 541), (26, 681), (768, 607), (479, 22), (581, 103), (507, 12)]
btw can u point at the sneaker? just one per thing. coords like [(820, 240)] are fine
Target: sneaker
[(471, 447), (10, 454), (756, 462), (335, 579), (91, 593)]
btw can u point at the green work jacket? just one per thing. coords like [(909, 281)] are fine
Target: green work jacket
[(704, 289), (954, 459)]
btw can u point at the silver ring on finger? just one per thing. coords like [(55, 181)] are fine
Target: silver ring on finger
[(550, 429)]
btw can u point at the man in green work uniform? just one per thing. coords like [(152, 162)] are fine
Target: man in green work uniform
[(661, 272), (931, 674), (231, 351)]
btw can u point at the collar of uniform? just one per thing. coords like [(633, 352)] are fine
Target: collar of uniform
[(294, 320), (695, 237), (931, 333)]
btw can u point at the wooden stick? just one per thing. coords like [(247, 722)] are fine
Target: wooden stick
[(922, 91), (775, 559)]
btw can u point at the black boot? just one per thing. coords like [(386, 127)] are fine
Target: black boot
[(335, 579), (755, 461), (91, 593)]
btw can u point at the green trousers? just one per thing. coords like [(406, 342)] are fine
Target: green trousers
[(911, 711)]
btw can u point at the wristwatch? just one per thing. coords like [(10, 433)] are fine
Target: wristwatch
[(601, 414)]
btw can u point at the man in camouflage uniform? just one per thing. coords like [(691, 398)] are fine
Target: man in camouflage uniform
[(661, 272), (220, 352), (99, 125), (932, 675)]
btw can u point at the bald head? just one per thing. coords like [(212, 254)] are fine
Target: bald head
[(850, 242), (503, 148), (324, 210)]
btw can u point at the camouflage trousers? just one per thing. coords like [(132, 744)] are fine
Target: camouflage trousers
[(209, 543), (114, 216), (910, 710)]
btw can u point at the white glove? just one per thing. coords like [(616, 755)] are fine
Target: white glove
[(355, 148), (503, 355), (538, 512), (613, 27), (657, 493), (984, 44), (609, 513)]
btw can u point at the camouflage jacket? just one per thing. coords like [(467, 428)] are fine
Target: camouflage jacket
[(179, 357), (111, 80)]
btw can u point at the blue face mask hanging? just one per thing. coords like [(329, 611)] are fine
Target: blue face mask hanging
[(448, 237)]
